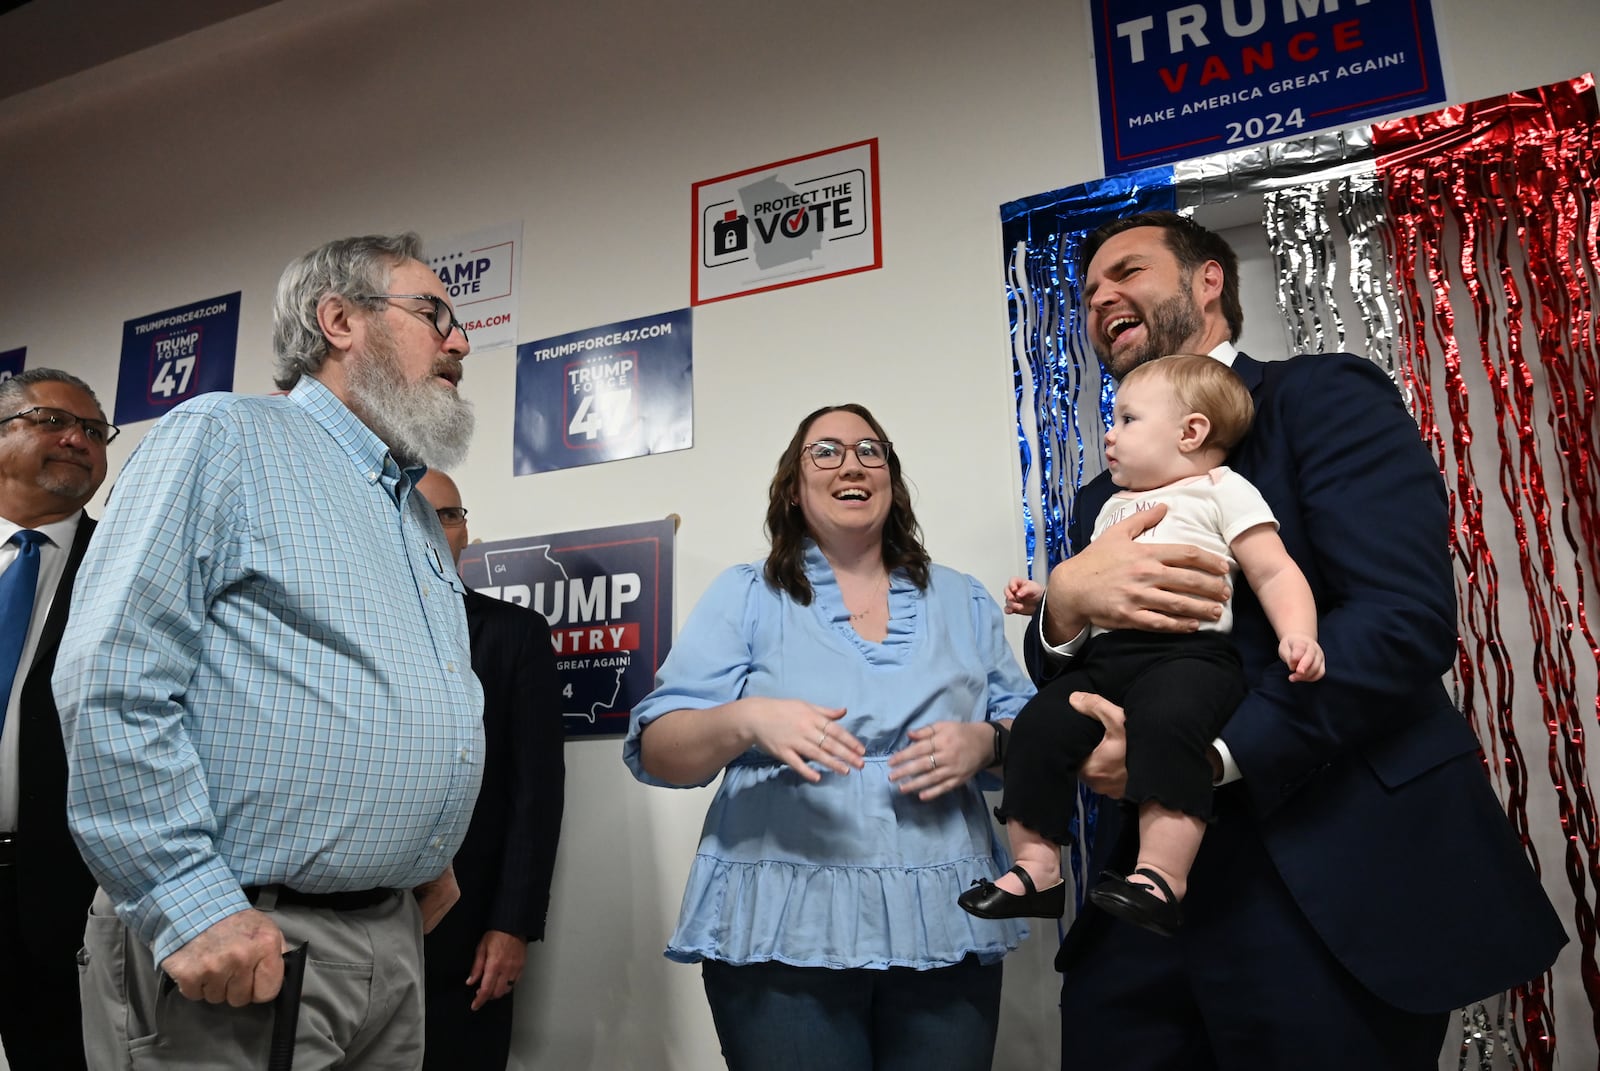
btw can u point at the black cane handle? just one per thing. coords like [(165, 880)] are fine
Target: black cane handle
[(286, 1010)]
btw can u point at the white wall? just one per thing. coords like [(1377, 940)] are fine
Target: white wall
[(203, 165)]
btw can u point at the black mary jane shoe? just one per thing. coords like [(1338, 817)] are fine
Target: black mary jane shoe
[(1134, 903), (988, 901)]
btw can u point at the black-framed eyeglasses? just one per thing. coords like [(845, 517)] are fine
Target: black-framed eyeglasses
[(452, 516), (51, 419), (443, 316), (829, 453)]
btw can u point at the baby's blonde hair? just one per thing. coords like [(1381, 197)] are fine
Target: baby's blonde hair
[(1207, 386)]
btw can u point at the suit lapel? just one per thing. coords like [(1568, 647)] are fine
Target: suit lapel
[(56, 623)]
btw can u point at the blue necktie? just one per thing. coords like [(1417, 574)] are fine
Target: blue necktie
[(17, 584)]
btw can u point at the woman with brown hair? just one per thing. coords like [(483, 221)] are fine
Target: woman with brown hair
[(851, 692)]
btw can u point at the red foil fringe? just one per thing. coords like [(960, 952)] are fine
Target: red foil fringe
[(1516, 178)]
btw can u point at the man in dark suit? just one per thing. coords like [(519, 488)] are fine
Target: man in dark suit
[(53, 437), (1360, 880), (475, 956)]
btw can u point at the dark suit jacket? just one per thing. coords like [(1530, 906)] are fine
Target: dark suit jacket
[(1367, 786), (54, 886), (506, 864)]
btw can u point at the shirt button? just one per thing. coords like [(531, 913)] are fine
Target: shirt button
[(450, 667)]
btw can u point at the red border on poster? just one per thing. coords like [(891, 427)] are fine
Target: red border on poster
[(695, 225)]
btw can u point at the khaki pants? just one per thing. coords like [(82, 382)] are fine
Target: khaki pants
[(361, 1005)]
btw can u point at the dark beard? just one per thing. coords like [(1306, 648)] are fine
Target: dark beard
[(1168, 327)]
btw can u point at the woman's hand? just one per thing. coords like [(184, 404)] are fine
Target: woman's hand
[(690, 747), (941, 757), (797, 733)]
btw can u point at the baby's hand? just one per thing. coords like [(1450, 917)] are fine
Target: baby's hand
[(1303, 656), (1023, 596)]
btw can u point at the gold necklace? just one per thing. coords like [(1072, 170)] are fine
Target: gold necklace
[(872, 600)]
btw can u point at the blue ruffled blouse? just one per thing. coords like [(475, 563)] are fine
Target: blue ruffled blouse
[(848, 872)]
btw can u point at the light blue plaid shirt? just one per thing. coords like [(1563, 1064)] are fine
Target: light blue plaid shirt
[(265, 677)]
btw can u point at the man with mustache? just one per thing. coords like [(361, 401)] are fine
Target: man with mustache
[(271, 720), (1360, 880), (53, 437)]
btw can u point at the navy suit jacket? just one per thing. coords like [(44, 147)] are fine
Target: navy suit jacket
[(506, 864), (1367, 786), (53, 885)]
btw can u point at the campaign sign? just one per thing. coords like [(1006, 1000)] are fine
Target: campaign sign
[(11, 362), (1180, 79), (621, 390), (796, 221), (607, 593), (171, 356), (481, 273)]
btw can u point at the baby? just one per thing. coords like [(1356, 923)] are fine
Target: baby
[(1174, 422)]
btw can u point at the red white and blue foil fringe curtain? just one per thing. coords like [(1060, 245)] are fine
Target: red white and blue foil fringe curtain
[(1459, 251)]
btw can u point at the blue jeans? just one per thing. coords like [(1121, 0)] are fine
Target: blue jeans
[(774, 1017)]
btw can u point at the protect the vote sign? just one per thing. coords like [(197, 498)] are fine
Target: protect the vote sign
[(11, 362), (607, 594), (1181, 79), (174, 355), (622, 390)]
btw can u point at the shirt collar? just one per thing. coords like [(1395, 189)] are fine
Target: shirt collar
[(367, 452), (1225, 352), (59, 533)]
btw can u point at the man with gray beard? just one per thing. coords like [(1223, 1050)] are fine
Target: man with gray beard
[(273, 730)]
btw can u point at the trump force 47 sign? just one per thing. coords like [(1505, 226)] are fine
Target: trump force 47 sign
[(174, 355), (621, 390)]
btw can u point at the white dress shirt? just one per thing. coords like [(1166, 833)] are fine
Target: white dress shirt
[(52, 563)]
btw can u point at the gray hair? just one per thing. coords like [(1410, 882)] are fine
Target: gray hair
[(12, 390), (346, 268)]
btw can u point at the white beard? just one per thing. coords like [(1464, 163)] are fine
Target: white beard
[(420, 422)]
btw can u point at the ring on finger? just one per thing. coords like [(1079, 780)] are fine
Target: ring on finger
[(823, 739), (933, 763)]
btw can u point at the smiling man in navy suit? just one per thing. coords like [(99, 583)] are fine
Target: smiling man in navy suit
[(1360, 880), (53, 437)]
